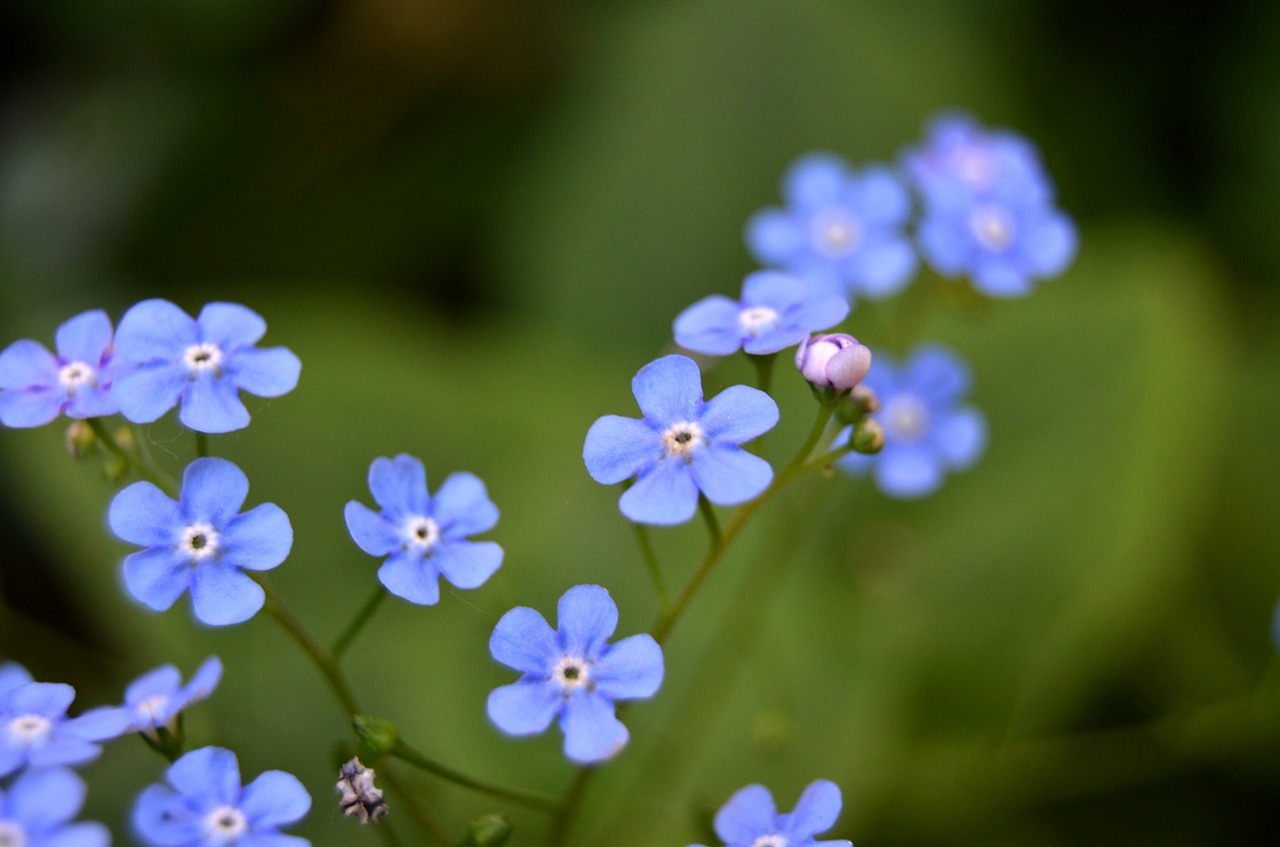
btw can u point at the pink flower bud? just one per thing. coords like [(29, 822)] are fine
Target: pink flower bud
[(834, 360)]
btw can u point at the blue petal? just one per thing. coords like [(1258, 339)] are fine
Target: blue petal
[(143, 514), (939, 376), (586, 616), (374, 534), (26, 363), (203, 681), (271, 838), (669, 390), (11, 758), (12, 675), (592, 733), (523, 640), (467, 564), (773, 289), (947, 247), (100, 724), (709, 326), (525, 707), (162, 818), (148, 392), (163, 681), (820, 311), (222, 595), (212, 405), (275, 798), (738, 414), (407, 575), (1000, 278), (1051, 245), (265, 373), (664, 493), (47, 699), (961, 437), (630, 669), (907, 472), (399, 485), (156, 577), (881, 197), (884, 268), (210, 774), (259, 539), (618, 448), (91, 403), (817, 179), (773, 236), (42, 799), (230, 325), (63, 749), (85, 337), (30, 407), (462, 506), (748, 814), (729, 475), (155, 329), (213, 490), (83, 834), (772, 342), (816, 811)]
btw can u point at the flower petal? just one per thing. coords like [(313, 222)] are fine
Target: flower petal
[(230, 325), (618, 448), (222, 595), (259, 539), (42, 799), (373, 533), (265, 373), (47, 699), (146, 393), (408, 575), (939, 376), (157, 576), (748, 814), (881, 196), (203, 681), (91, 403), (399, 485), (773, 289), (12, 675), (213, 490), (275, 798), (155, 329), (1000, 278), (210, 404), (816, 811), (738, 414), (26, 363), (820, 311), (83, 834), (271, 838), (85, 337), (63, 749), (709, 326), (467, 564), (773, 236), (669, 390), (30, 407), (164, 819), (884, 268), (523, 640), (630, 669), (664, 493), (163, 681), (815, 180), (961, 437), (585, 616), (1051, 245), (100, 724), (525, 707), (907, 471), (143, 514), (592, 732), (730, 475), (462, 506), (210, 774)]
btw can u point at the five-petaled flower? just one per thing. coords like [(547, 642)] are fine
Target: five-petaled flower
[(203, 362), (777, 310), (682, 446), (204, 805), (750, 819), (424, 537), (202, 542), (573, 673), (36, 386), (155, 699), (37, 809), (35, 730)]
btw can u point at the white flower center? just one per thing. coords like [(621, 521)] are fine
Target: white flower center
[(74, 375), (905, 417), (225, 824), (203, 357), (571, 672), (422, 532), (758, 319), (836, 233), (771, 841), (12, 834), (29, 730), (199, 541), (681, 439), (993, 227), (153, 707)]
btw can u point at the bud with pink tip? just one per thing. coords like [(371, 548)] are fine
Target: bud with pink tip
[(833, 360)]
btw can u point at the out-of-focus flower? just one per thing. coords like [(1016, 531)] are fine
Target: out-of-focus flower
[(777, 310), (37, 809), (750, 818), (35, 730), (833, 360)]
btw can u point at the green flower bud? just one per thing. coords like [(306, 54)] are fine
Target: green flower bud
[(489, 830), (868, 436), (379, 735)]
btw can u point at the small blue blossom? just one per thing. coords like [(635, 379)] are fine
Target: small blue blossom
[(927, 430), (202, 542), (572, 673), (35, 729), (154, 699), (750, 819), (777, 310), (425, 537), (203, 362), (682, 446), (37, 810), (36, 386), (988, 208), (842, 230), (204, 805)]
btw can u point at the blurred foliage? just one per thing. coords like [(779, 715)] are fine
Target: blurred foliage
[(473, 221)]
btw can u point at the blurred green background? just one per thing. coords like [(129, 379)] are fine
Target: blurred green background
[(475, 219)]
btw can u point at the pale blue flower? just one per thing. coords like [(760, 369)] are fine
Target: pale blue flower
[(155, 699), (35, 730), (750, 818), (776, 311), (37, 809)]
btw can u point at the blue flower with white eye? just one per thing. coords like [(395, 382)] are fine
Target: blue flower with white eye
[(928, 430), (750, 818), (682, 446), (572, 673), (155, 699), (204, 363), (842, 230), (35, 730), (776, 311), (202, 542), (37, 809), (425, 537), (204, 805), (36, 386)]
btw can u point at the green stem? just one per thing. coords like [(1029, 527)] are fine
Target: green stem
[(202, 445), (417, 810), (519, 796), (709, 518), (764, 370), (142, 469), (569, 807), (357, 624), (651, 564)]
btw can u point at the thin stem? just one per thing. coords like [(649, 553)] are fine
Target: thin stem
[(417, 810), (202, 445), (569, 807), (651, 564), (143, 469), (528, 799), (709, 518), (764, 370), (357, 623)]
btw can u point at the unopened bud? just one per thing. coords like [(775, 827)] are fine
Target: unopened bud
[(379, 735), (833, 360), (859, 403), (360, 797), (868, 436), (79, 439), (125, 438), (489, 830)]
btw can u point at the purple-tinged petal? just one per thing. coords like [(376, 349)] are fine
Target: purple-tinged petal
[(259, 539), (730, 475), (907, 472), (143, 514), (213, 490), (230, 325), (816, 811), (85, 337), (275, 798), (772, 342), (738, 414), (12, 675), (664, 493), (100, 724), (961, 437), (592, 732), (773, 236), (42, 799), (27, 363), (462, 506), (407, 575), (155, 329), (526, 707), (748, 814), (222, 594), (210, 774), (669, 390), (815, 180), (373, 533), (163, 818), (157, 576), (399, 485), (82, 834), (709, 326), (146, 393), (629, 669), (467, 564), (47, 699), (523, 640), (618, 448), (30, 407), (586, 616), (939, 376), (212, 405), (884, 268), (268, 372)]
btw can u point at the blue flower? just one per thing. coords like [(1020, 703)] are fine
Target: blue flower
[(988, 208), (842, 230), (927, 430), (154, 699), (35, 729), (424, 537), (776, 311), (204, 806), (204, 363), (202, 542), (750, 819), (37, 809), (682, 446), (572, 673), (36, 386)]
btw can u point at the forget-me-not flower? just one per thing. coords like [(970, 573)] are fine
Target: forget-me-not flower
[(204, 805), (202, 542), (37, 809), (572, 673), (682, 445), (35, 729), (203, 362), (842, 229), (425, 537), (776, 311), (750, 818), (155, 699), (36, 386), (928, 430)]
